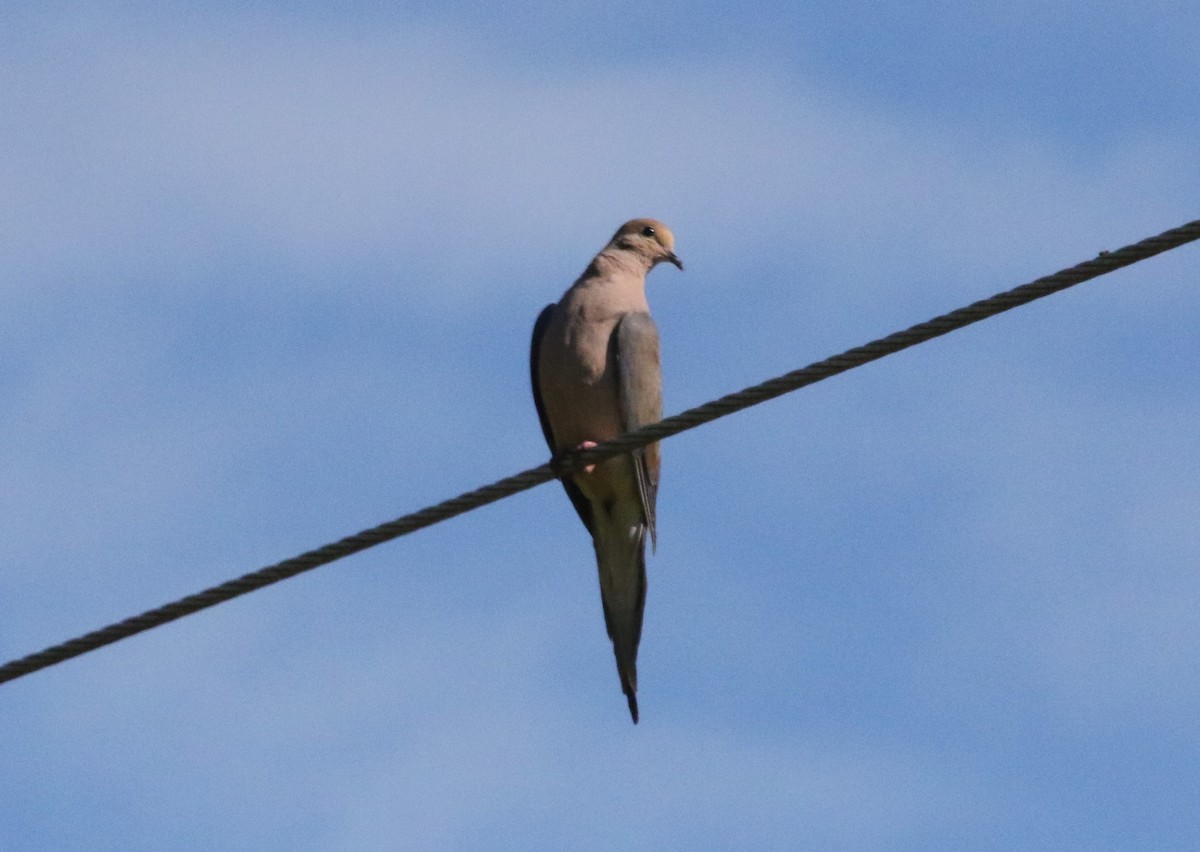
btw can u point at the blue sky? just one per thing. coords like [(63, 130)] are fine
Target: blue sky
[(268, 276)]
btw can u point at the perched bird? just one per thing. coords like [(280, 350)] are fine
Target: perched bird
[(595, 368)]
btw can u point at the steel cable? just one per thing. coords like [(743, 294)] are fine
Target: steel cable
[(1106, 262)]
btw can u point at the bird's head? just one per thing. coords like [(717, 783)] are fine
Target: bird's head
[(650, 239)]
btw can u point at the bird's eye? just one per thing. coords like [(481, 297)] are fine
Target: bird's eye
[(647, 231)]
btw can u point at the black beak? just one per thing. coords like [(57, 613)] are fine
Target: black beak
[(671, 258)]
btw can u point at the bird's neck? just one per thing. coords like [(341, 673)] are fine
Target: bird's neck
[(616, 262), (610, 283)]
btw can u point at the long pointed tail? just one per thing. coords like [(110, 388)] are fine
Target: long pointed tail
[(621, 559)]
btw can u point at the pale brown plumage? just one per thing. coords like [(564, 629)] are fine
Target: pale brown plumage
[(595, 369)]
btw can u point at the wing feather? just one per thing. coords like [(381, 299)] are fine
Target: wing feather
[(639, 395), (581, 504)]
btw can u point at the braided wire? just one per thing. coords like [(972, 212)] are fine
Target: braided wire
[(983, 309)]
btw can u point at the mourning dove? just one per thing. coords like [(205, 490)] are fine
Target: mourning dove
[(595, 368)]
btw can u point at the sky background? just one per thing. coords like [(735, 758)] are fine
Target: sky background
[(267, 277)]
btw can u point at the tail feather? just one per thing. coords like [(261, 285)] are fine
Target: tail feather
[(631, 695), (621, 558)]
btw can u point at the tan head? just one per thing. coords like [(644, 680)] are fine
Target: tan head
[(650, 239)]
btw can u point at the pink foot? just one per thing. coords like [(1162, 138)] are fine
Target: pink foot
[(586, 445), (583, 445)]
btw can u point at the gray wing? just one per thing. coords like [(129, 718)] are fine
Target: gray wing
[(639, 395), (582, 506)]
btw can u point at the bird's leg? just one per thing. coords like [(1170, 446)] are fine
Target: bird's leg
[(586, 445), (557, 459)]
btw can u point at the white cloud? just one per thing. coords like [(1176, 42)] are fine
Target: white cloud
[(424, 154)]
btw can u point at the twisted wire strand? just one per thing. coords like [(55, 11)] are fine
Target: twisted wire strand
[(852, 358)]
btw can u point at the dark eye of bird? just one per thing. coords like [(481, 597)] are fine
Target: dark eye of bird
[(647, 231)]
